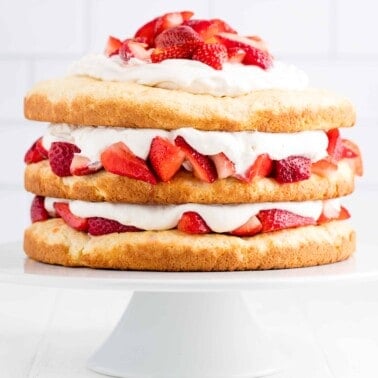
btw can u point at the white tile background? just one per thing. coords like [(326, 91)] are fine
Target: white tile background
[(333, 40)]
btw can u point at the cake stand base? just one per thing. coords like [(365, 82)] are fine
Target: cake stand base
[(187, 334)]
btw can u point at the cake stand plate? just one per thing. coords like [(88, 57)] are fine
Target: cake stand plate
[(187, 325)]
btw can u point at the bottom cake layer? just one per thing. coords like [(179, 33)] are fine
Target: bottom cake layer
[(53, 242)]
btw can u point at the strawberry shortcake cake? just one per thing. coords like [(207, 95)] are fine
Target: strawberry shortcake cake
[(189, 147)]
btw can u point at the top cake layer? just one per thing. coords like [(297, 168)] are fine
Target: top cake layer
[(87, 101)]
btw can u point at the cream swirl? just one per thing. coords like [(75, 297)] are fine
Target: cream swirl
[(192, 76)]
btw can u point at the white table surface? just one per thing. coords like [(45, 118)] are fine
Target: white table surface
[(49, 333)]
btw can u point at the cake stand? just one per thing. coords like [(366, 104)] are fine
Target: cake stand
[(187, 325)]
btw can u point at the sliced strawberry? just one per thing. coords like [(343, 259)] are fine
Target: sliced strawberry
[(81, 166), (323, 167), (236, 55), (63, 210), (251, 227), (335, 145), (60, 157), (132, 49), (112, 46), (102, 226), (276, 219), (170, 20), (173, 52), (342, 215), (119, 159), (165, 157), (352, 154), (209, 29), (350, 149), (212, 54), (35, 153), (262, 167), (147, 32), (224, 166), (254, 47), (179, 35), (37, 210), (192, 223), (203, 167), (292, 169)]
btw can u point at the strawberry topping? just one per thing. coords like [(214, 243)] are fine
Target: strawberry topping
[(276, 219), (60, 157), (81, 166), (335, 145), (170, 20), (224, 166), (192, 223), (203, 166), (37, 210), (292, 169), (323, 167), (251, 227), (63, 210), (177, 36), (352, 154), (166, 158), (112, 47), (342, 215), (172, 52), (119, 159), (35, 153), (262, 167), (102, 226), (209, 29), (132, 49), (212, 54)]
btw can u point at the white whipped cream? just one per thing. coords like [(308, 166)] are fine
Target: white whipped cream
[(241, 148), (220, 218), (234, 79)]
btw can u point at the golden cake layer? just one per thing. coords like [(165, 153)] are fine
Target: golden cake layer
[(184, 188), (54, 242), (87, 101)]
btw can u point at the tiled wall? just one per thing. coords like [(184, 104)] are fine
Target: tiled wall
[(333, 40)]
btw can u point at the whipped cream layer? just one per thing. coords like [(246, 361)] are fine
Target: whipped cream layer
[(220, 218), (241, 148), (234, 79)]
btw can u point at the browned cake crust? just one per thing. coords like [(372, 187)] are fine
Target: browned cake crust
[(54, 242), (184, 188), (86, 101)]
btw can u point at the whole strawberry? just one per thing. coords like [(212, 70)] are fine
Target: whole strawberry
[(212, 54)]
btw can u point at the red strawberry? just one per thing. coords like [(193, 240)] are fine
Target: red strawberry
[(132, 49), (323, 167), (170, 20), (209, 29), (63, 210), (118, 159), (102, 226), (203, 167), (224, 166), (35, 153), (147, 32), (212, 54), (257, 57), (60, 156), (173, 52), (192, 223), (292, 169), (352, 153), (335, 145), (262, 167), (179, 35), (251, 227), (81, 166), (342, 215), (254, 48), (37, 210), (165, 158), (112, 46), (236, 55), (275, 219)]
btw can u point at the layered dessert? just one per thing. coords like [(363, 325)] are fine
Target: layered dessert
[(189, 147)]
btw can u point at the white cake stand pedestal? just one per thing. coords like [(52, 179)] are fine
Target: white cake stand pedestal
[(183, 325)]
